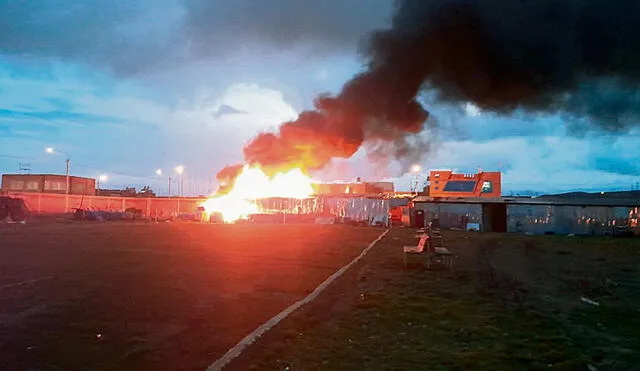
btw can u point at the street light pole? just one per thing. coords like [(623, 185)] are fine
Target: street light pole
[(51, 150), (415, 169), (67, 187), (101, 179), (180, 170)]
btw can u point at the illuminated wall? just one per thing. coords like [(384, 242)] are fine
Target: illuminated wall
[(47, 183)]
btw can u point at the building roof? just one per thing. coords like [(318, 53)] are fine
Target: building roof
[(532, 201), (52, 175)]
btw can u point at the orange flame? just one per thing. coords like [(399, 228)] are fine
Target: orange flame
[(253, 184)]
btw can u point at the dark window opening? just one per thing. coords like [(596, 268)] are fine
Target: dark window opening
[(459, 186)]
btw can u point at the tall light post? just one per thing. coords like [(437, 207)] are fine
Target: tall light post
[(53, 151), (415, 169), (159, 173), (180, 170), (102, 179)]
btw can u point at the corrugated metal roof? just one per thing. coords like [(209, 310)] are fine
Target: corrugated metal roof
[(531, 201)]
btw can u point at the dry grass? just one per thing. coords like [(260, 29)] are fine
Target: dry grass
[(513, 303)]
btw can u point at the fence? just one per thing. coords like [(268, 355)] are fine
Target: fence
[(47, 203), (373, 210)]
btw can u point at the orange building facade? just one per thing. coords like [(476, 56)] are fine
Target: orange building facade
[(444, 183)]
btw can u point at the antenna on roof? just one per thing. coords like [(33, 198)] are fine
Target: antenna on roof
[(24, 168)]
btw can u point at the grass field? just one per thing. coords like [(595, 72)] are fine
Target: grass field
[(512, 303), (118, 296)]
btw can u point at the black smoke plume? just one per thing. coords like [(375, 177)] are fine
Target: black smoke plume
[(579, 58)]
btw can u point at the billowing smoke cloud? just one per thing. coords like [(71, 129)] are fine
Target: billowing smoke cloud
[(577, 57), (339, 125)]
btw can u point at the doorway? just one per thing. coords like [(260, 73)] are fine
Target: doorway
[(418, 219), (494, 217)]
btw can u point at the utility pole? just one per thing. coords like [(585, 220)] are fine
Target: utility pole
[(51, 150), (66, 197), (169, 186), (68, 162)]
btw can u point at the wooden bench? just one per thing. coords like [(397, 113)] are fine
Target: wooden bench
[(419, 249), (441, 255), (432, 246)]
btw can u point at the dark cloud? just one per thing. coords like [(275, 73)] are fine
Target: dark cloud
[(616, 165), (135, 36), (215, 26), (614, 154), (99, 33)]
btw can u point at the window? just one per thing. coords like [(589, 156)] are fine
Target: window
[(54, 186), (459, 186), (17, 185), (33, 185), (487, 187)]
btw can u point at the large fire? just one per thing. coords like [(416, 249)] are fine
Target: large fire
[(253, 184)]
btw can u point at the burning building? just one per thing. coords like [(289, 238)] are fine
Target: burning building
[(253, 194), (354, 188)]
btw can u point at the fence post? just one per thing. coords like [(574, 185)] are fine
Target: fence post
[(124, 203), (148, 207), (39, 203)]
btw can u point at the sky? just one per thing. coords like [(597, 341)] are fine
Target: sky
[(123, 88)]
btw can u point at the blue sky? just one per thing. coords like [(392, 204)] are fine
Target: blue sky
[(129, 87)]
